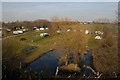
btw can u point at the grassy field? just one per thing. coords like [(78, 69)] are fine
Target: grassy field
[(103, 56)]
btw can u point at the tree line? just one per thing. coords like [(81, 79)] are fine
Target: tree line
[(55, 22)]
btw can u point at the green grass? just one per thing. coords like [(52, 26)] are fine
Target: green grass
[(91, 41), (15, 47), (36, 54), (45, 40), (12, 49)]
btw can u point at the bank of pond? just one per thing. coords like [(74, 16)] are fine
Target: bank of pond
[(49, 66)]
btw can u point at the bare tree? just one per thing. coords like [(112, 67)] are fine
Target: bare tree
[(54, 25)]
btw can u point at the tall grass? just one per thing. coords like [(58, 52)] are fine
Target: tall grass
[(12, 52), (11, 48), (105, 52)]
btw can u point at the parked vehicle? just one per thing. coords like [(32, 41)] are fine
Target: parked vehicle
[(58, 31), (25, 30), (46, 28), (42, 29), (86, 31), (98, 32), (68, 30), (37, 29), (98, 37), (18, 32), (44, 34), (15, 32)]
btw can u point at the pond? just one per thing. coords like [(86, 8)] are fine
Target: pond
[(49, 62)]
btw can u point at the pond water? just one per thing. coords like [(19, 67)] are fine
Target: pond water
[(88, 58), (48, 63)]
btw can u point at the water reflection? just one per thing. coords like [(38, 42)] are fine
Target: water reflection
[(49, 62)]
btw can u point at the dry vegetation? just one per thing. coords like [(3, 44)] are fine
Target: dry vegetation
[(12, 53), (105, 51)]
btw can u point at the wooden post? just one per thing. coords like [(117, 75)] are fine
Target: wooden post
[(56, 71), (66, 63)]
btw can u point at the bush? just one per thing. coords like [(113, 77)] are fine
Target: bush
[(106, 55)]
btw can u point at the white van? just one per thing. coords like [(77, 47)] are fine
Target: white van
[(44, 34)]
